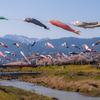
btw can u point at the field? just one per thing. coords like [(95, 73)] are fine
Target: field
[(84, 79)]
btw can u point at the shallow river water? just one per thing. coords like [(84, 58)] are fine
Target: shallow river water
[(61, 95)]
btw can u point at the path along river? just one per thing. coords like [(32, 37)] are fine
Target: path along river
[(61, 95)]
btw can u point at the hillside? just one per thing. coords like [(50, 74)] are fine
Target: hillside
[(40, 44)]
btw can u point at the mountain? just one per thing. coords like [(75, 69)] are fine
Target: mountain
[(41, 47), (23, 39), (70, 40), (20, 38)]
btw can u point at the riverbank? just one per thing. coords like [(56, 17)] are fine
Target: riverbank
[(78, 78), (10, 93)]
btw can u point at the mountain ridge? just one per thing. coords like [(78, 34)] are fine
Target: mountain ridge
[(40, 46)]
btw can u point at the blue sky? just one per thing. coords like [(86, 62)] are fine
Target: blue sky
[(65, 11)]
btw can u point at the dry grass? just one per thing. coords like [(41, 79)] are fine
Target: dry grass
[(89, 86)]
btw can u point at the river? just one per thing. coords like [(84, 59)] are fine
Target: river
[(61, 95)]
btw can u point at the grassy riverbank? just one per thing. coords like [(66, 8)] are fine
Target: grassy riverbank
[(10, 93), (78, 78)]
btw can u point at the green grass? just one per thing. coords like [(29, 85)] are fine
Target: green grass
[(5, 96), (10, 93), (70, 72), (86, 68)]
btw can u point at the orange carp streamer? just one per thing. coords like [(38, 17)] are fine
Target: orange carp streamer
[(63, 26)]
